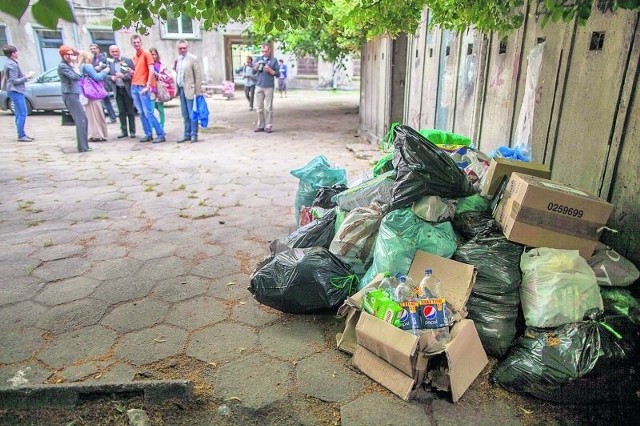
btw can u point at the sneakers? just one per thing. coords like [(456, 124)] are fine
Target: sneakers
[(259, 129), (160, 139), (146, 139), (25, 138)]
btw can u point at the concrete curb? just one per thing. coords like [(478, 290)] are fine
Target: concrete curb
[(68, 395)]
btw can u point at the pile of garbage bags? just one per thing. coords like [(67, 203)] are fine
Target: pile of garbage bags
[(560, 324)]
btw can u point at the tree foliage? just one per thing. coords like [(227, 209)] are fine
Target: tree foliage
[(327, 28)]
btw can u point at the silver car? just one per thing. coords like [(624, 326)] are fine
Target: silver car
[(43, 94)]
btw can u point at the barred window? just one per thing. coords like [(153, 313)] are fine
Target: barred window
[(307, 65)]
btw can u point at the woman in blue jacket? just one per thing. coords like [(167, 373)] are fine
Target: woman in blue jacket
[(15, 80)]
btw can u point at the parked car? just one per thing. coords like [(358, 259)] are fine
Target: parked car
[(43, 94)]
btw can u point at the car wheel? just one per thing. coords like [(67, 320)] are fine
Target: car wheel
[(29, 107)]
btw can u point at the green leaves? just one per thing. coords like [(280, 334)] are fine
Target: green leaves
[(48, 12), (15, 8)]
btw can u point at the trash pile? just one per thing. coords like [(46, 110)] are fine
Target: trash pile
[(444, 256)]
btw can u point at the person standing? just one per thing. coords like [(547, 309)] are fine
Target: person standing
[(100, 63), (266, 70), (159, 69), (15, 80), (120, 73), (97, 124), (189, 81), (142, 84), (282, 78), (249, 79), (70, 77)]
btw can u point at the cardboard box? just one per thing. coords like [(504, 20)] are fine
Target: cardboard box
[(398, 359), (501, 167), (541, 213)]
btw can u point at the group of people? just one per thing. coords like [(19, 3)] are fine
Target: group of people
[(134, 82)]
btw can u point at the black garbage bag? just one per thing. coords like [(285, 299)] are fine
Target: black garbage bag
[(495, 298), (588, 361), (301, 281), (324, 195), (318, 233), (475, 224), (424, 169)]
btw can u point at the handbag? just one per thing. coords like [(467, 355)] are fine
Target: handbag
[(162, 94), (92, 90)]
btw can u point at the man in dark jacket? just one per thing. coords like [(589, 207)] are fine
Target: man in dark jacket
[(15, 80), (99, 62), (119, 79)]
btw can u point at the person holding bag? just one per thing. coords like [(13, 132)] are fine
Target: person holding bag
[(163, 83), (94, 92), (70, 77)]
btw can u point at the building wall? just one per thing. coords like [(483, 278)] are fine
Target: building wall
[(585, 104), (96, 15)]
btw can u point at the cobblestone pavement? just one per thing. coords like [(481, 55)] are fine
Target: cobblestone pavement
[(131, 262)]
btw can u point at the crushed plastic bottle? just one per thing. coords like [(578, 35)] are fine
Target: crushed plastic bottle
[(406, 291), (388, 284), (430, 286)]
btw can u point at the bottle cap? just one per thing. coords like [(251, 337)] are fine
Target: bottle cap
[(428, 271)]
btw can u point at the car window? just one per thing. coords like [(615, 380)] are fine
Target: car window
[(50, 76)]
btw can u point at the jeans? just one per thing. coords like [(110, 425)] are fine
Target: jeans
[(186, 105), (106, 102), (143, 104), (19, 106)]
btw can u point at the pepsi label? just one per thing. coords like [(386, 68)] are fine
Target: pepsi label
[(432, 313), (410, 317)]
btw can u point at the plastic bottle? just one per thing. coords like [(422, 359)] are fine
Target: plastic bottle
[(430, 286), (406, 289), (388, 284)]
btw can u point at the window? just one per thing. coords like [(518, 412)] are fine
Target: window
[(180, 27), (355, 63), (307, 66), (103, 39), (3, 35)]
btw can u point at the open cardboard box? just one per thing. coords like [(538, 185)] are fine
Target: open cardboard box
[(398, 359)]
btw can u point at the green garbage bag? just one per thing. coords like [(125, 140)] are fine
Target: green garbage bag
[(401, 234), (472, 203), (313, 176), (440, 137)]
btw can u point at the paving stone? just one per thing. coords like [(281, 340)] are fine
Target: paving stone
[(175, 289), (19, 345), (326, 377), (61, 269), (166, 267), (221, 342), (257, 380), (231, 287), (76, 373), (14, 290), (253, 313), (152, 344), (71, 316), (197, 312), (18, 267), (18, 375), (114, 268), (476, 408), (78, 345), (20, 315), (123, 289), (383, 409), (58, 251), (116, 373), (135, 315), (152, 251), (291, 340), (105, 252), (216, 267), (59, 292)]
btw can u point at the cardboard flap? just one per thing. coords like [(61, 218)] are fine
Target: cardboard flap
[(383, 373), (457, 278), (375, 335), (466, 357), (347, 341)]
